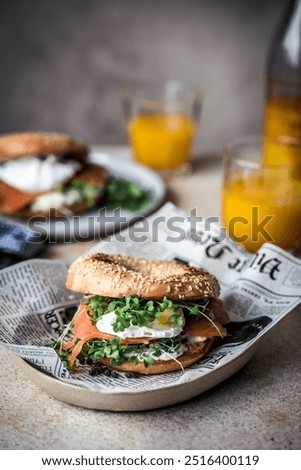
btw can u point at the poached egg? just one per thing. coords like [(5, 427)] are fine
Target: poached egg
[(161, 327)]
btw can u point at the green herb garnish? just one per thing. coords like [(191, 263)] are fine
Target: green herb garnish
[(87, 192), (63, 354), (118, 353), (132, 310), (126, 195), (119, 193), (197, 309)]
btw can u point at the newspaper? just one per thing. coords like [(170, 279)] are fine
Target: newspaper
[(257, 290)]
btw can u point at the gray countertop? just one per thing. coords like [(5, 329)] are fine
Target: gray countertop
[(257, 408)]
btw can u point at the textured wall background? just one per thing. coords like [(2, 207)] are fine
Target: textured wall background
[(64, 63)]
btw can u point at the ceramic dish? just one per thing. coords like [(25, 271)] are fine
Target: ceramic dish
[(138, 400), (101, 221)]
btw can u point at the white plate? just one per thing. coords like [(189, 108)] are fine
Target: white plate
[(138, 400), (102, 221)]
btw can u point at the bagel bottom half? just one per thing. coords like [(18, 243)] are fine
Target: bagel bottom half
[(193, 353)]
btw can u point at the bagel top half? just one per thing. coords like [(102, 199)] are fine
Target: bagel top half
[(24, 144), (116, 276)]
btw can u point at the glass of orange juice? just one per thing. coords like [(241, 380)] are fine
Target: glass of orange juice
[(261, 202), (161, 122)]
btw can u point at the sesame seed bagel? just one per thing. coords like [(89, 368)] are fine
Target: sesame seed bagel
[(193, 354), (116, 276), (23, 144)]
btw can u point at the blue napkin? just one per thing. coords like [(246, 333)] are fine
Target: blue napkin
[(18, 243)]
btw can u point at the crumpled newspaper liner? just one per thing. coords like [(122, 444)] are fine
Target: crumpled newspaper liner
[(140, 400), (258, 291)]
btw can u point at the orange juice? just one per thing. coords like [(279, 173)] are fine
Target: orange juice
[(278, 202), (161, 141)]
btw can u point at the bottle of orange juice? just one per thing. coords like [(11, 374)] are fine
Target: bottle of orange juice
[(282, 126)]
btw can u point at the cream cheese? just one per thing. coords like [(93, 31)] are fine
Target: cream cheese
[(197, 339), (164, 356), (104, 324), (55, 200), (33, 174)]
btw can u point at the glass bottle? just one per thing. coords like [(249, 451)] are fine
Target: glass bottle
[(282, 122)]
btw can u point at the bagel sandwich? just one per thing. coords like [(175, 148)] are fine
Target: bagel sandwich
[(41, 171), (141, 316)]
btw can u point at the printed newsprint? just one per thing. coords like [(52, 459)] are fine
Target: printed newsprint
[(258, 291)]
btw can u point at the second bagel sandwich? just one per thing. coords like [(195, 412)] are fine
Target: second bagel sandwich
[(42, 172), (141, 315)]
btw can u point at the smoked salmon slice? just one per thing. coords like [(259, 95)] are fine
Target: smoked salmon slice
[(11, 199), (84, 330)]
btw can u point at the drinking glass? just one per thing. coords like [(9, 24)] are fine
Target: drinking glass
[(260, 202), (161, 122)]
